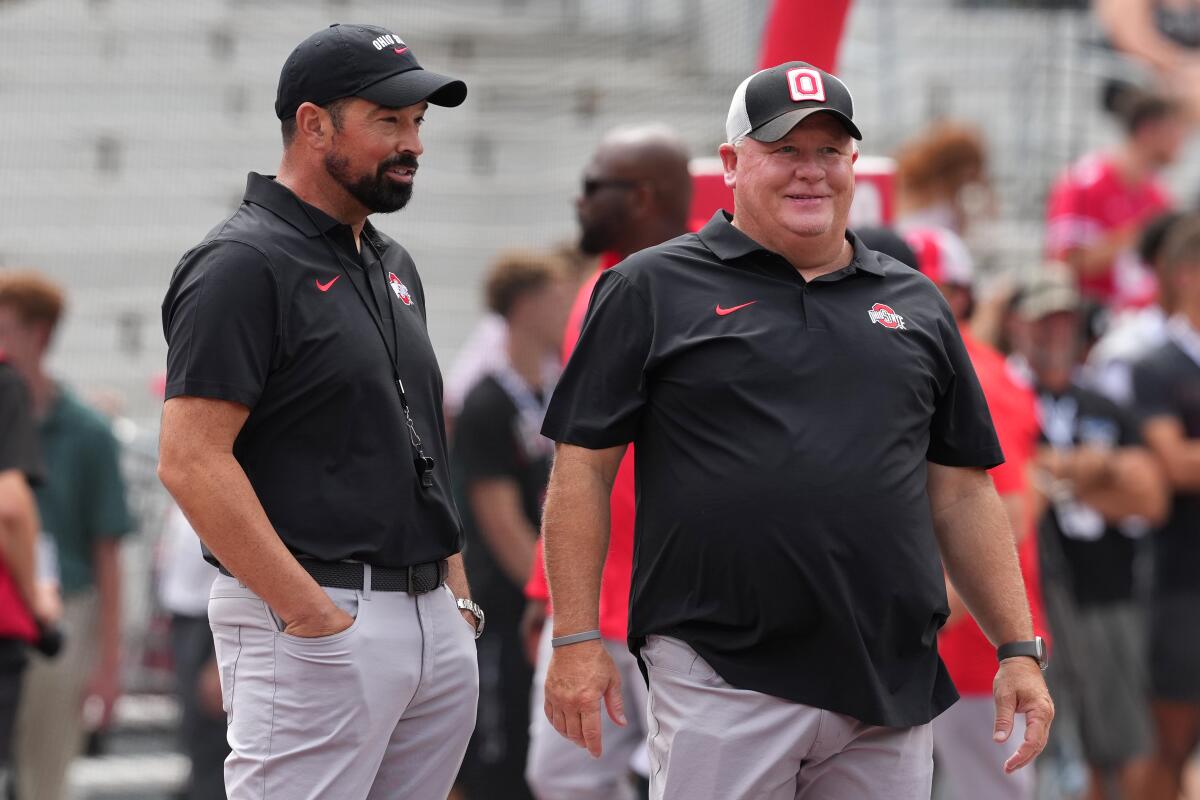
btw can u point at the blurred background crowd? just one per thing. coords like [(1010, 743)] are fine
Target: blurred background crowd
[(1035, 159)]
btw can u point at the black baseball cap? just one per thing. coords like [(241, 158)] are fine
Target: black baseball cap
[(360, 61), (772, 101)]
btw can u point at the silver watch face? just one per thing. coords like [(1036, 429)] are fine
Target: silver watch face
[(473, 607)]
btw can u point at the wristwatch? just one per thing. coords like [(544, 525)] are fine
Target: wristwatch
[(1034, 648), (465, 604)]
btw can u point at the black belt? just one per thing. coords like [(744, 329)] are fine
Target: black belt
[(417, 579)]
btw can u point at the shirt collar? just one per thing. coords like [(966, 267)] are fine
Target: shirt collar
[(865, 258), (727, 243), (1186, 337), (56, 409), (265, 191)]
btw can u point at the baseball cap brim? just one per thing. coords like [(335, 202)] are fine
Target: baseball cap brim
[(1056, 300), (411, 87), (1052, 290), (777, 128)]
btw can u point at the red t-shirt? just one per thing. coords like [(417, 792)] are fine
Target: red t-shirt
[(969, 656), (618, 566), (15, 620), (1088, 202)]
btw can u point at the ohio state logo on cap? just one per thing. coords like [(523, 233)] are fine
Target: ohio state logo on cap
[(805, 84), (885, 316)]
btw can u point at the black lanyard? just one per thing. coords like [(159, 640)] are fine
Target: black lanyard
[(422, 463)]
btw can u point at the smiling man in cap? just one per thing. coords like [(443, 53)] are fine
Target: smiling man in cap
[(810, 435), (303, 438)]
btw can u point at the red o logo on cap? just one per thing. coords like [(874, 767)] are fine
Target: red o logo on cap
[(805, 84)]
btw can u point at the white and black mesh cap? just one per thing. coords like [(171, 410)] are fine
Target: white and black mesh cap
[(772, 101)]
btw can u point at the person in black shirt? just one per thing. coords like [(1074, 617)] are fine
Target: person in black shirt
[(303, 438), (23, 611), (1166, 383), (809, 434), (1099, 490), (502, 463)]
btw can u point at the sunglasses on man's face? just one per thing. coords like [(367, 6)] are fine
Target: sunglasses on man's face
[(593, 185)]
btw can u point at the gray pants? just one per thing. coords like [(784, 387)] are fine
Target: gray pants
[(969, 762), (711, 741), (50, 721), (559, 769), (383, 709)]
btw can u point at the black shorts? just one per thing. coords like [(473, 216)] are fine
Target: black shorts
[(1175, 648), (12, 668)]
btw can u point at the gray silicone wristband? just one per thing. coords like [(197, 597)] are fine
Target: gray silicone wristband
[(574, 638)]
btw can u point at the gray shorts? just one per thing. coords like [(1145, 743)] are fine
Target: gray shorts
[(558, 769), (969, 763), (1175, 648), (713, 741), (1098, 669)]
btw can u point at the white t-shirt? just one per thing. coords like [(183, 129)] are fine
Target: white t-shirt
[(1130, 336), (185, 578)]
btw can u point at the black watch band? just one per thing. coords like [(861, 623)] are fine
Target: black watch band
[(1034, 648)]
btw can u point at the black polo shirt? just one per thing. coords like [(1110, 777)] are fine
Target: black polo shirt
[(782, 432), (1166, 383), (262, 313), (1095, 559), (494, 441)]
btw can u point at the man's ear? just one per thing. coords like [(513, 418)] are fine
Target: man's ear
[(44, 333), (314, 125), (854, 152), (729, 158), (643, 198)]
